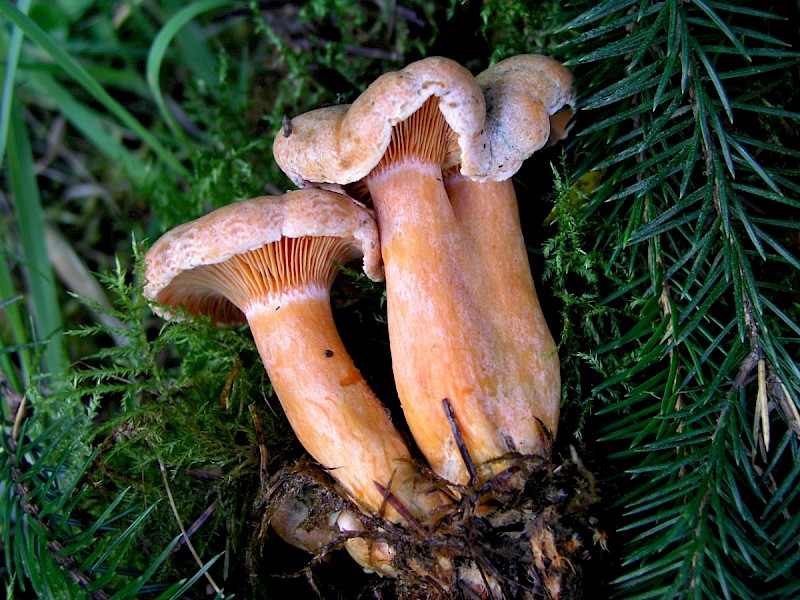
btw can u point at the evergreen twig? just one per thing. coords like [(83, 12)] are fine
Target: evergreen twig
[(669, 91)]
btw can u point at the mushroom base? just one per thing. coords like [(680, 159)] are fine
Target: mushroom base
[(529, 532)]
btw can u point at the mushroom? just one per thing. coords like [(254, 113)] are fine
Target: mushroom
[(528, 100), (448, 338), (271, 261)]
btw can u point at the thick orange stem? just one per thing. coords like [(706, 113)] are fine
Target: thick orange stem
[(439, 337), (330, 407), (524, 349)]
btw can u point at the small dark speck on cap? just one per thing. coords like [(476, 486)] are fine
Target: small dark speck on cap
[(286, 122), (328, 353)]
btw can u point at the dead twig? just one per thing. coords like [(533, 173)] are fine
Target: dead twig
[(462, 446)]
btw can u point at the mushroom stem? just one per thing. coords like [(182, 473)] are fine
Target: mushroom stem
[(524, 349), (427, 271), (330, 407)]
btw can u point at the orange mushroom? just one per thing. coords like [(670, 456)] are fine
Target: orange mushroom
[(528, 100), (271, 261), (449, 339)]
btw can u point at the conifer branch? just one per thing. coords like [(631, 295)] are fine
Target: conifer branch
[(690, 383)]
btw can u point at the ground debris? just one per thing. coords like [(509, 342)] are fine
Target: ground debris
[(526, 533)]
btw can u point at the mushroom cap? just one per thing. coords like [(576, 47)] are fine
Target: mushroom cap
[(521, 94), (499, 119), (248, 225), (341, 144)]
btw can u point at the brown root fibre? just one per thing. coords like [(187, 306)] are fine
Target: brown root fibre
[(527, 533)]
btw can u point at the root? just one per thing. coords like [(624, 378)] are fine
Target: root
[(525, 533)]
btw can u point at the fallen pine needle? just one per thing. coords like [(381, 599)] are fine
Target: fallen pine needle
[(183, 530)]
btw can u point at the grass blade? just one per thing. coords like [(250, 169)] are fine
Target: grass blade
[(159, 49), (30, 218), (92, 125), (14, 47)]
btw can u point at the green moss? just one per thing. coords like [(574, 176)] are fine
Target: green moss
[(519, 27)]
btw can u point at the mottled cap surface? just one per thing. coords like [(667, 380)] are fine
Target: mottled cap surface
[(521, 94), (498, 119), (341, 144), (248, 225)]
